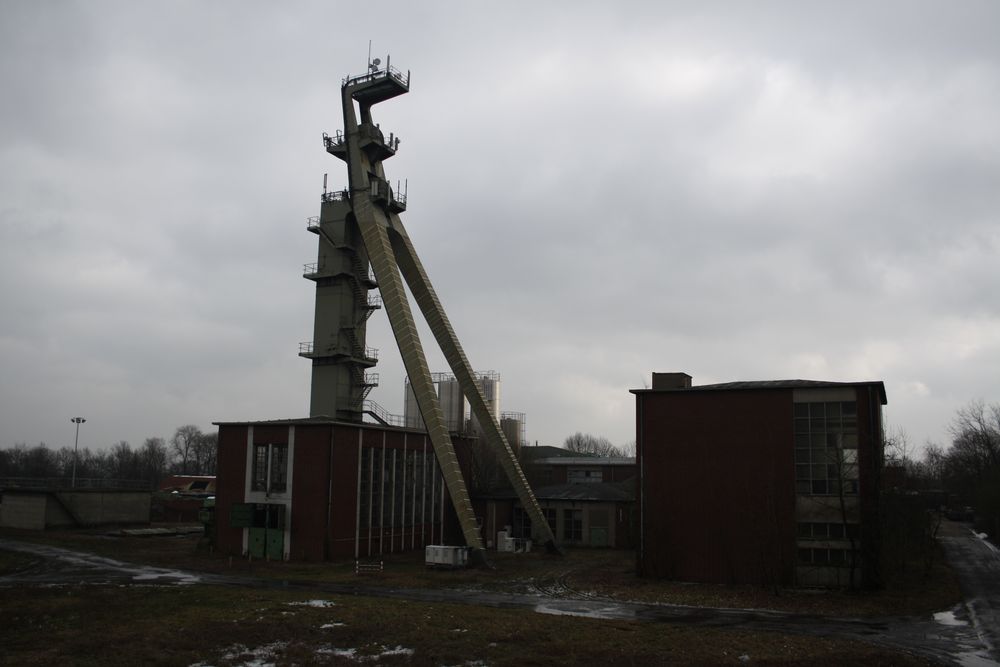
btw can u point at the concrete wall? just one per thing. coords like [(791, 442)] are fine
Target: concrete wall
[(24, 510), (99, 507), (37, 510)]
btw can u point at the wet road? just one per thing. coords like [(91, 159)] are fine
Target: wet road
[(976, 563), (966, 635)]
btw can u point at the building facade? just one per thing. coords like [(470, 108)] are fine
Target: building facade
[(319, 489), (771, 482)]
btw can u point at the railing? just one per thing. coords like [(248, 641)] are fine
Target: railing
[(377, 74), (336, 195), (371, 380), (307, 348), (384, 415), (310, 269), (397, 197), (374, 301), (63, 484), (331, 142), (312, 222)]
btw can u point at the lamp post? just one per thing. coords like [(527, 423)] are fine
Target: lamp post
[(76, 442)]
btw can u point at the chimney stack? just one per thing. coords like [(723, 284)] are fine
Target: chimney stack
[(671, 381)]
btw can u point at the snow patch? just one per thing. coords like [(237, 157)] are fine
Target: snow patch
[(352, 653), (319, 604), (948, 618)]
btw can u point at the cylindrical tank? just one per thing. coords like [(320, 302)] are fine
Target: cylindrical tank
[(452, 404)]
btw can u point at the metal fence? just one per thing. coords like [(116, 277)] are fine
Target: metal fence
[(65, 483)]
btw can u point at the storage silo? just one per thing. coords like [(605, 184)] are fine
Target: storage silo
[(452, 403), (512, 425), (489, 385), (411, 411)]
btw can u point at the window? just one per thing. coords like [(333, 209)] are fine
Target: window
[(826, 441), (827, 557), (273, 459), (550, 518), (582, 476), (522, 523), (827, 531), (573, 525)]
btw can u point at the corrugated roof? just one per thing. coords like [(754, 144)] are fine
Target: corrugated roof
[(585, 461), (593, 492), (758, 385)]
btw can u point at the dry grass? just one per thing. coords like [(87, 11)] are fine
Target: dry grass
[(185, 625), (111, 625), (609, 573)]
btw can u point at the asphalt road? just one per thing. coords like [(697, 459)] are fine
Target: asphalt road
[(966, 635), (976, 563)]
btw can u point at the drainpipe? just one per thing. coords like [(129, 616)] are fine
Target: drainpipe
[(329, 500), (639, 447)]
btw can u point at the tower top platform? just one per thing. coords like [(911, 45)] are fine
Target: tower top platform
[(377, 85)]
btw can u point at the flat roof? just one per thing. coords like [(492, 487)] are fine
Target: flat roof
[(763, 385), (319, 421), (585, 460)]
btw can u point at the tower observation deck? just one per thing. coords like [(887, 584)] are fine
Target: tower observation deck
[(363, 246)]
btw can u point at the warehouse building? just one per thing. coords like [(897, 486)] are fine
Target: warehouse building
[(318, 489), (769, 482)]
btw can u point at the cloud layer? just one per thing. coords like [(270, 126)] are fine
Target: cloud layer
[(597, 193)]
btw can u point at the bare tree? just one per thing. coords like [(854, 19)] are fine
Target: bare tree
[(183, 446), (205, 449), (153, 460), (124, 462), (584, 443)]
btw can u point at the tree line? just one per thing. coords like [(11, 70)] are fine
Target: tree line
[(967, 471), (585, 443), (188, 452)]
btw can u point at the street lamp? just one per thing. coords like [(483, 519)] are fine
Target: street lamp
[(76, 442)]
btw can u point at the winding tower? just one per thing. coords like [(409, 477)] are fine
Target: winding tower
[(359, 227)]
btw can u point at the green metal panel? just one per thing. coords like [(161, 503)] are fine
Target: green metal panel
[(276, 543), (256, 543)]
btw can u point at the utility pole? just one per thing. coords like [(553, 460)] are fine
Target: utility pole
[(76, 443)]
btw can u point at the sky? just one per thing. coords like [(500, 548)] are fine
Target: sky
[(738, 191)]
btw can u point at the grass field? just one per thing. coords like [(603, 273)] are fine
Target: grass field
[(216, 625)]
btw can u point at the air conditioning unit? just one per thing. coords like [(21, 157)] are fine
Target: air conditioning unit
[(438, 555)]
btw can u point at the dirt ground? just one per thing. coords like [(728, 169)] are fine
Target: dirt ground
[(111, 623), (603, 573)]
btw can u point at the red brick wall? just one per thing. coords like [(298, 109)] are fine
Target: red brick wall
[(229, 483), (310, 491), (717, 486)]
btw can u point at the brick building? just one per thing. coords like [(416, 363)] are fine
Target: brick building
[(315, 489), (772, 482)]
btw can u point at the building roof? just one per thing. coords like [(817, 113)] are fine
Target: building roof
[(318, 420), (762, 385), (592, 492), (585, 461), (546, 451), (602, 491)]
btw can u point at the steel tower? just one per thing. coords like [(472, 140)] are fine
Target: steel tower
[(361, 225)]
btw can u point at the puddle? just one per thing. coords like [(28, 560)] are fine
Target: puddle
[(948, 618)]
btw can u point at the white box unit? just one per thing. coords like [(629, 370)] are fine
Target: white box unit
[(445, 556)]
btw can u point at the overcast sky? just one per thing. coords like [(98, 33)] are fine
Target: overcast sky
[(740, 191)]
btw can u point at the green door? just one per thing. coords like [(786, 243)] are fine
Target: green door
[(256, 541), (276, 532)]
